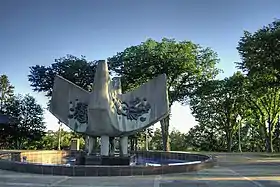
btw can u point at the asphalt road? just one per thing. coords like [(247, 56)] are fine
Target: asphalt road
[(232, 170)]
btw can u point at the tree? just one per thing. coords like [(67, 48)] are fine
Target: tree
[(29, 114), (77, 70), (266, 107), (6, 91), (141, 139), (218, 103), (260, 54), (206, 137), (156, 142), (50, 140), (186, 65), (178, 141), (6, 130)]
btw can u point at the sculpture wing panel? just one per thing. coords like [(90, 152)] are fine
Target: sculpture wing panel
[(63, 93), (144, 106)]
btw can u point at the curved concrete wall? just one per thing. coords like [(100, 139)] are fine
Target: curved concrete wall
[(44, 156), (92, 170)]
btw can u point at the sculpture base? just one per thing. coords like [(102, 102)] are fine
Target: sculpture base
[(92, 160), (107, 160), (111, 161)]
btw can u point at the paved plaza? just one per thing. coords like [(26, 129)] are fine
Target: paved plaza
[(232, 170)]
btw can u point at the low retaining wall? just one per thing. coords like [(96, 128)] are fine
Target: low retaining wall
[(45, 156), (93, 170)]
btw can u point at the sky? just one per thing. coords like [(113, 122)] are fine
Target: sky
[(34, 32)]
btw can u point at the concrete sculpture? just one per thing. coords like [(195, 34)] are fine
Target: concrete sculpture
[(105, 111)]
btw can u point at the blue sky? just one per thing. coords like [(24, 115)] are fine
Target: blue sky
[(36, 32)]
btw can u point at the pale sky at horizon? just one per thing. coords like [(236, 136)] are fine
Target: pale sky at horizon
[(36, 32)]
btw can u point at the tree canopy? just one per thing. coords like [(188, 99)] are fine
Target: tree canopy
[(29, 116), (27, 125), (260, 55), (186, 65), (253, 96), (6, 91), (74, 69), (218, 103)]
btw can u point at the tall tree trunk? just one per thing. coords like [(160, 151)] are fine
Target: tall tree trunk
[(270, 143), (229, 142), (277, 130), (266, 136), (267, 144), (164, 123), (228, 132)]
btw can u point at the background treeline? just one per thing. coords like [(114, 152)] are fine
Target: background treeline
[(240, 112)]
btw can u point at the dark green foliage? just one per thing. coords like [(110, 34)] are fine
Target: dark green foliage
[(186, 65), (29, 115), (156, 141), (7, 130), (26, 125), (74, 69), (254, 96), (6, 91), (140, 138), (178, 141), (260, 54), (206, 138), (217, 104), (50, 141)]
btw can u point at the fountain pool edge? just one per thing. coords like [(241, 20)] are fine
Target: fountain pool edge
[(97, 170)]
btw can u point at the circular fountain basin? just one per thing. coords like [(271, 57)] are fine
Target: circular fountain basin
[(144, 163)]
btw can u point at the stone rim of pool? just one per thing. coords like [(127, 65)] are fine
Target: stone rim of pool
[(196, 162)]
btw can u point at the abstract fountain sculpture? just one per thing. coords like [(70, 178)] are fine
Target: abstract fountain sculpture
[(106, 112)]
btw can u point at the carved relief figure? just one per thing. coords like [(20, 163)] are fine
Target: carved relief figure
[(78, 115), (133, 109)]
